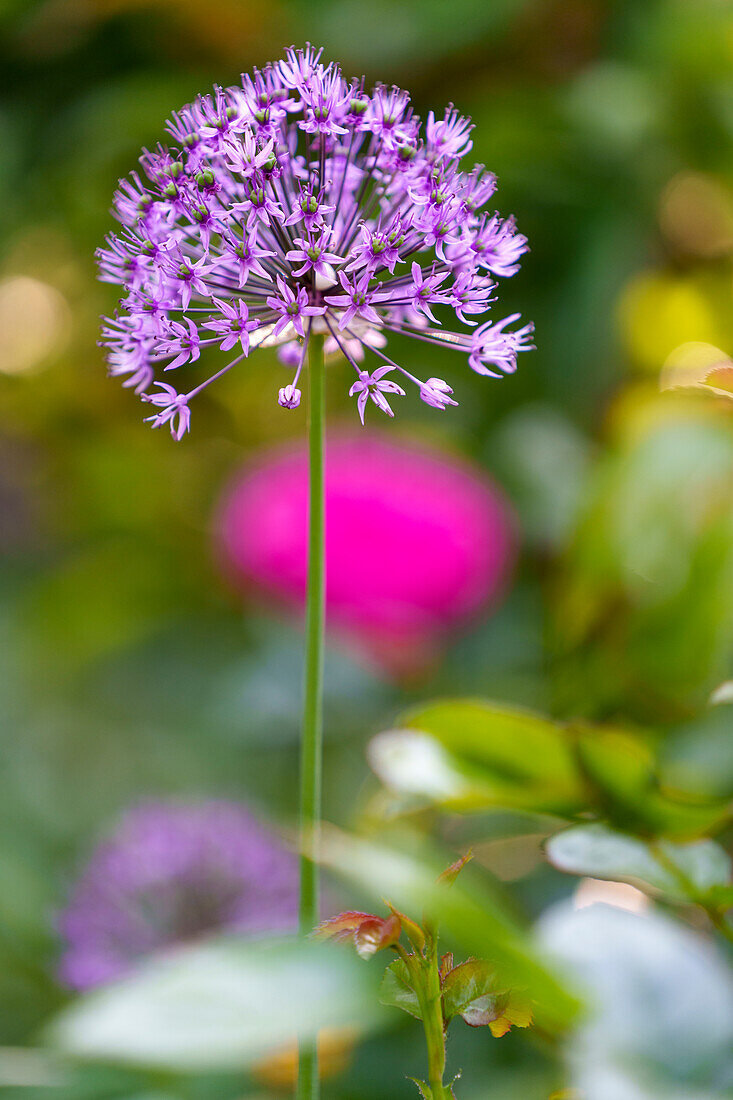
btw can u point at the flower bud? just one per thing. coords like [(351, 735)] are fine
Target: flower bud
[(289, 397)]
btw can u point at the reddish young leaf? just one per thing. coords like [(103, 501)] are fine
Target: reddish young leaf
[(449, 876), (367, 932)]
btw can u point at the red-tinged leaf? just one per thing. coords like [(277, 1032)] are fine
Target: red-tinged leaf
[(413, 931), (451, 873), (446, 965), (368, 932), (343, 926), (374, 934)]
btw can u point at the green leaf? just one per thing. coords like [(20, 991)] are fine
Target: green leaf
[(682, 872), (624, 779), (469, 754), (466, 756), (470, 990), (219, 1005), (396, 989)]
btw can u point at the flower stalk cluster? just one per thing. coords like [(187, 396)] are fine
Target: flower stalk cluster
[(298, 204), (430, 987)]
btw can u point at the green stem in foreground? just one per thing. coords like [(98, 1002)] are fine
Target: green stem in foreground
[(425, 975), (311, 747), (434, 1026)]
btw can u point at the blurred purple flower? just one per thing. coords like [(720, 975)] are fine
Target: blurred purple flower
[(277, 192), (169, 874)]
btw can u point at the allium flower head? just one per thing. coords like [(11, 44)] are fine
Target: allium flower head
[(298, 203), (169, 874)]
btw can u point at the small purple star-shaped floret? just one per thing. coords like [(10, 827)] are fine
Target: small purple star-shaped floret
[(309, 208), (182, 341), (243, 155), (492, 345), (355, 301), (379, 248), (293, 306), (423, 292), (245, 255), (373, 387), (174, 410), (187, 274), (449, 136), (312, 256), (233, 324), (437, 393)]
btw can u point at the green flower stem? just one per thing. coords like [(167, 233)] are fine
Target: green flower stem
[(426, 983), (311, 750), (434, 1027)]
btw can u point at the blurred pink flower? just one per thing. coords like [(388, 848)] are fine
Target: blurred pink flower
[(417, 542)]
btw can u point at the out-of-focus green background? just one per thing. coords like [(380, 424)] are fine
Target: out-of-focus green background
[(128, 668)]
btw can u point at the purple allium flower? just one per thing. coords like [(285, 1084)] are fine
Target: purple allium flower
[(169, 874), (374, 386), (298, 204)]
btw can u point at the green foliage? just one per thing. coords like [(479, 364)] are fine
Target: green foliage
[(648, 575), (469, 755), (221, 1005), (470, 990), (468, 913), (396, 989), (694, 872)]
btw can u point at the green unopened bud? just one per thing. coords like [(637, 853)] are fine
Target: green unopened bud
[(358, 106), (205, 178), (175, 169), (170, 190)]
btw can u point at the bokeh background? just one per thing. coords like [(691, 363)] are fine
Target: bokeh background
[(131, 667)]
